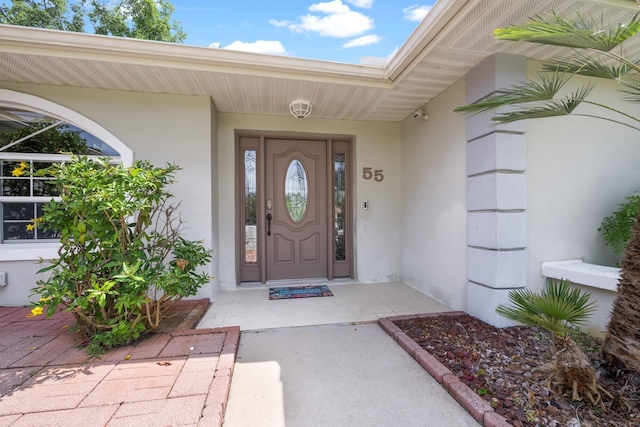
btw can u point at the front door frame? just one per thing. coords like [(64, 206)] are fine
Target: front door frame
[(255, 140)]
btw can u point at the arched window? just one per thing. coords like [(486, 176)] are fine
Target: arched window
[(34, 133)]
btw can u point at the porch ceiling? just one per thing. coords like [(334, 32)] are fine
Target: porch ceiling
[(454, 37)]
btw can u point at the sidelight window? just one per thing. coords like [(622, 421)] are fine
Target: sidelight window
[(339, 206), (250, 208)]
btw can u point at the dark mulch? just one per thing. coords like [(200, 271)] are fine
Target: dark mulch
[(507, 368)]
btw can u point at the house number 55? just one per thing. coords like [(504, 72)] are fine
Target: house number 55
[(368, 173)]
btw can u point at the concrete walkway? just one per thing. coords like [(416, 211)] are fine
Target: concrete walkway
[(334, 375)]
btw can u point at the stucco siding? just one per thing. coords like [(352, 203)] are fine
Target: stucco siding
[(434, 230), (578, 170)]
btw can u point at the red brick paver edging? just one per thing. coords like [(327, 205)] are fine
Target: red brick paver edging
[(175, 376), (476, 405)]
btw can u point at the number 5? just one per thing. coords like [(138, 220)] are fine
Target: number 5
[(366, 173), (379, 176)]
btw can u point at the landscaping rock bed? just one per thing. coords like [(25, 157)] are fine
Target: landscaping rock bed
[(509, 368)]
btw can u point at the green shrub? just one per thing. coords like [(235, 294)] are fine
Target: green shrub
[(616, 229), (122, 260)]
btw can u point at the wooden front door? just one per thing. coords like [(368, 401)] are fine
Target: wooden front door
[(296, 209), (303, 185)]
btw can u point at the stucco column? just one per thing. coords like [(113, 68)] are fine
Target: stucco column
[(496, 194)]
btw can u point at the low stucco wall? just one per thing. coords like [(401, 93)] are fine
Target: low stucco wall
[(596, 324)]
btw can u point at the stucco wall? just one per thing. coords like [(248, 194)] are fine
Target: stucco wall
[(434, 227), (578, 171), (160, 128), (377, 229)]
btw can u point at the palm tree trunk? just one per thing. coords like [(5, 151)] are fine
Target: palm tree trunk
[(621, 347), (573, 369)]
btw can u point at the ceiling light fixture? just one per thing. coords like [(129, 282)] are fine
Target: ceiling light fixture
[(300, 108)]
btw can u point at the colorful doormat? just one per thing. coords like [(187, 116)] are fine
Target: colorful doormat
[(286, 292)]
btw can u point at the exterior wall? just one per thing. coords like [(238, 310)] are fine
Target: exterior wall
[(579, 170), (21, 278), (160, 128), (434, 249), (377, 145)]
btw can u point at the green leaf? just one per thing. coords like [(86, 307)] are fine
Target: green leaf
[(554, 308), (616, 228), (544, 89), (586, 65), (582, 33)]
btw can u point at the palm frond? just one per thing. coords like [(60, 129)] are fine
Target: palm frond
[(549, 108), (633, 89), (544, 89), (556, 307), (588, 66), (582, 33), (523, 308), (552, 109)]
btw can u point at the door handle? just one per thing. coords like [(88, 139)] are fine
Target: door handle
[(269, 218)]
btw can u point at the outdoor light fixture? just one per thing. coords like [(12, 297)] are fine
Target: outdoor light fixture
[(420, 114), (300, 108)]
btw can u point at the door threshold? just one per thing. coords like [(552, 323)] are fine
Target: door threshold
[(297, 282)]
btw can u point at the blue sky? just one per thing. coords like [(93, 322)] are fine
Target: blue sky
[(332, 30)]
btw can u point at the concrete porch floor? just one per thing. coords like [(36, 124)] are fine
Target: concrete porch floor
[(251, 309)]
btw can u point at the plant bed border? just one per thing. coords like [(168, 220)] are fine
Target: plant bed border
[(479, 409)]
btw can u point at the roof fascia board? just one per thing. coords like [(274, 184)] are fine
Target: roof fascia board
[(37, 41), (416, 46)]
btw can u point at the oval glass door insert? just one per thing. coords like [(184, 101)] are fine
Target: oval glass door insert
[(295, 190)]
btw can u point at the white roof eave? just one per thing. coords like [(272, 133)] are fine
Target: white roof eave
[(423, 36), (44, 42), (37, 41)]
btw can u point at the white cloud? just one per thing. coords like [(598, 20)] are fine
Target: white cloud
[(365, 4), (260, 46), (333, 19), (332, 7), (277, 23), (363, 41), (415, 12)]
